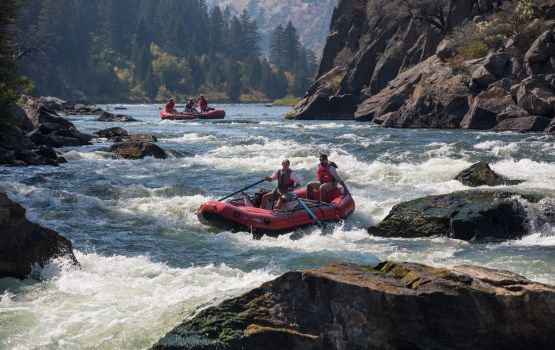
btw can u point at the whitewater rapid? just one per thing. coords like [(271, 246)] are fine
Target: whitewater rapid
[(147, 262)]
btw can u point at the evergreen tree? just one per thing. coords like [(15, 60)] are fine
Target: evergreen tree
[(276, 51), (9, 81)]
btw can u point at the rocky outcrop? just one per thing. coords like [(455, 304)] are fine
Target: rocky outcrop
[(24, 244), (35, 130), (137, 150), (480, 174), (110, 117), (465, 215), (388, 306), (383, 64)]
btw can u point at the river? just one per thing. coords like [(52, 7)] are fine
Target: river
[(147, 263)]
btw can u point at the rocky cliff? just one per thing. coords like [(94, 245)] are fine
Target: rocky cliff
[(388, 306), (458, 65)]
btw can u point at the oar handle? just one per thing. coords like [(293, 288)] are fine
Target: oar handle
[(241, 190), (312, 215)]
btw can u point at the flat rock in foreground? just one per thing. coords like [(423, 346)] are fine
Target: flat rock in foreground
[(137, 150), (389, 306), (24, 244)]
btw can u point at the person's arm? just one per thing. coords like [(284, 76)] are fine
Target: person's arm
[(273, 177), (338, 179)]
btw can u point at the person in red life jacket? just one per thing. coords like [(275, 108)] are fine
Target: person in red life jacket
[(287, 181), (327, 179), (170, 106), (203, 104)]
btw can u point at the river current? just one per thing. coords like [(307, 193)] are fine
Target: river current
[(147, 263)]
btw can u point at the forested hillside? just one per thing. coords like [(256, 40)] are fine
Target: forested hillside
[(310, 17), (143, 50)]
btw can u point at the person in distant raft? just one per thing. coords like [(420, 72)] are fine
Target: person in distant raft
[(170, 106), (190, 107), (327, 179), (287, 181), (203, 104)]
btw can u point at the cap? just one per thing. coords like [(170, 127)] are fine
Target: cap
[(323, 157)]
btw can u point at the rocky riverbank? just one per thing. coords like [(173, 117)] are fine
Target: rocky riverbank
[(388, 306), (390, 64)]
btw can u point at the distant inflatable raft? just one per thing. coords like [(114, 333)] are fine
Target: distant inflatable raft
[(236, 215), (213, 114)]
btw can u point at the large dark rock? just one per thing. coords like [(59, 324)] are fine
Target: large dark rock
[(24, 244), (137, 150), (466, 215), (388, 306), (117, 134), (536, 96), (525, 124), (537, 58), (480, 174), (110, 117)]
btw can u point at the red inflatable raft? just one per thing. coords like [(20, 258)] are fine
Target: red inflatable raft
[(213, 114), (236, 214)]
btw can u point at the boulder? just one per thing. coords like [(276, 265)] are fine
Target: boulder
[(24, 244), (466, 215), (510, 112), (524, 124), (110, 117), (388, 306), (537, 57), (536, 96), (112, 133), (485, 108), (480, 174), (137, 150), (82, 109)]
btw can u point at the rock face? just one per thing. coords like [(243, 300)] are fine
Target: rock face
[(466, 215), (35, 131), (24, 244), (388, 306), (480, 174), (137, 150), (385, 64)]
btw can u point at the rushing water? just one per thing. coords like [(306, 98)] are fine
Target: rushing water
[(147, 263)]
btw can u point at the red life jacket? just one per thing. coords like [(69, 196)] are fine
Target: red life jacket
[(169, 106), (285, 182), (202, 103), (323, 173)]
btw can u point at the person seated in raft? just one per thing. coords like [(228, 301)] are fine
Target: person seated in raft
[(327, 179), (170, 106), (203, 104), (190, 107), (287, 181)]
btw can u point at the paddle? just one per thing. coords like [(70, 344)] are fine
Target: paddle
[(241, 190), (321, 224)]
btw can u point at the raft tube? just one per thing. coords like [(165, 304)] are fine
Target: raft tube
[(213, 114), (234, 215)]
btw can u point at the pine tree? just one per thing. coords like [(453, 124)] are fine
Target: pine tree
[(276, 51)]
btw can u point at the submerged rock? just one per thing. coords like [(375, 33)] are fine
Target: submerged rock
[(480, 174), (137, 150), (24, 244), (117, 134), (388, 306), (466, 215)]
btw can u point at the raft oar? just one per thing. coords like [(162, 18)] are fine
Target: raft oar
[(241, 190), (321, 224)]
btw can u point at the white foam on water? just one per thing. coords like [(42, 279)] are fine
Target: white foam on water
[(535, 174), (192, 137), (113, 302)]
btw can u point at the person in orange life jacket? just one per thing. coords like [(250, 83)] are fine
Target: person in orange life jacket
[(203, 104), (327, 179), (170, 106), (190, 107), (287, 181)]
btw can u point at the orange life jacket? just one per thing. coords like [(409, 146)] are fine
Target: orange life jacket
[(285, 182), (323, 173)]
